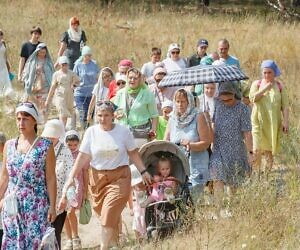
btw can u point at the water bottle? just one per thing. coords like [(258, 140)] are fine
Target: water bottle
[(71, 196)]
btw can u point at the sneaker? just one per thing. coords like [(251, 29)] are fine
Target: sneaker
[(76, 243), (68, 245)]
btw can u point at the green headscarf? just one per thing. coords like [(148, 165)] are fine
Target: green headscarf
[(131, 91)]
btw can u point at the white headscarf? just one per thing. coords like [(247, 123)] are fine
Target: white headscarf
[(73, 34)]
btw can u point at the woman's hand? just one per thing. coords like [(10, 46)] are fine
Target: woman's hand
[(51, 214), (186, 143), (147, 178), (89, 118), (285, 127), (62, 204)]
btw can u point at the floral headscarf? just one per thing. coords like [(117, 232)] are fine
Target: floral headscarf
[(189, 115)]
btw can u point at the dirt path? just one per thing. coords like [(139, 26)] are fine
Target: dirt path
[(89, 233)]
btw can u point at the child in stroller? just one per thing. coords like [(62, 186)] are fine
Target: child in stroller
[(165, 185), (170, 202)]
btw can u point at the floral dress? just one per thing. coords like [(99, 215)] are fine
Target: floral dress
[(25, 231)]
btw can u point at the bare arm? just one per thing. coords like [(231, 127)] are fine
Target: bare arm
[(261, 92), (51, 183), (248, 140), (62, 49), (91, 107), (285, 125), (204, 134), (3, 176), (50, 94), (137, 161), (167, 133), (21, 67), (154, 123)]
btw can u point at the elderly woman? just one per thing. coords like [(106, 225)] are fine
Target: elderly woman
[(229, 163), (270, 113), (109, 173), (189, 129), (88, 71), (54, 130), (161, 94), (137, 108), (27, 179), (173, 61), (101, 89), (38, 73), (72, 41)]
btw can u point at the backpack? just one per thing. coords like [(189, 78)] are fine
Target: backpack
[(278, 84)]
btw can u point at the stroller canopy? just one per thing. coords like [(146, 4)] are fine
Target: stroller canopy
[(152, 151)]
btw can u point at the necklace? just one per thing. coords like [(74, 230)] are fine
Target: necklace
[(24, 146)]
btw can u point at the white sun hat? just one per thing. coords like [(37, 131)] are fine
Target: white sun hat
[(54, 129)]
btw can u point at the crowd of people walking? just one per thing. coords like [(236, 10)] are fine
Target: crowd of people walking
[(223, 135)]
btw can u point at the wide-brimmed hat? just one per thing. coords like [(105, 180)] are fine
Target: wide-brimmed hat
[(54, 129), (136, 176), (29, 108)]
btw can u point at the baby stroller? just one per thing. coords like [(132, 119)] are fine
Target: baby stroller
[(163, 217)]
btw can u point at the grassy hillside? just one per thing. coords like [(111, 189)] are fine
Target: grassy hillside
[(266, 214)]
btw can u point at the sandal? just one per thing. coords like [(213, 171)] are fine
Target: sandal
[(76, 243), (68, 245)]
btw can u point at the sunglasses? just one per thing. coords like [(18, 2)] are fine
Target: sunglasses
[(121, 83), (177, 52), (28, 105)]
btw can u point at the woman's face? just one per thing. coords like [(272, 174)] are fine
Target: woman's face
[(42, 53), (210, 90), (25, 123), (181, 103), (228, 99), (106, 76), (175, 54), (133, 80), (105, 118), (268, 74), (120, 84), (75, 26)]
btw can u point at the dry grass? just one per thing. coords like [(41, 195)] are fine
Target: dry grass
[(265, 217)]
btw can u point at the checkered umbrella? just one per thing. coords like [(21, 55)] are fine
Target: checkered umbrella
[(203, 74)]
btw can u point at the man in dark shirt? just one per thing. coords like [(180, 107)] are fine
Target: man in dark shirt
[(28, 48), (195, 59)]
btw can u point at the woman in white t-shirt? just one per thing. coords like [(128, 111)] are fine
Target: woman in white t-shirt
[(107, 147)]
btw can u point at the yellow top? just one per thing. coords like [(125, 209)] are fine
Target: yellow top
[(266, 116)]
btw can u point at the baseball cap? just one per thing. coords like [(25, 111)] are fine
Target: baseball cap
[(202, 42)]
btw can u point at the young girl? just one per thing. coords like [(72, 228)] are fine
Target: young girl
[(139, 193), (167, 107), (71, 223), (164, 186), (63, 83)]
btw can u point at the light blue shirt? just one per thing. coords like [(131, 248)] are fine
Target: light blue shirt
[(231, 60), (88, 77)]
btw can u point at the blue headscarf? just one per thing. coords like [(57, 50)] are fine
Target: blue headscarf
[(271, 65), (30, 69)]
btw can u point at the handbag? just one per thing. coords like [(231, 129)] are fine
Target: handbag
[(141, 131), (11, 201), (85, 213), (49, 241)]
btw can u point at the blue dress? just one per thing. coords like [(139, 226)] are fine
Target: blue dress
[(198, 160), (228, 161), (25, 231)]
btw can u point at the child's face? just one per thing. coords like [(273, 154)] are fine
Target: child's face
[(73, 145), (64, 67), (210, 90), (164, 168), (166, 112)]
